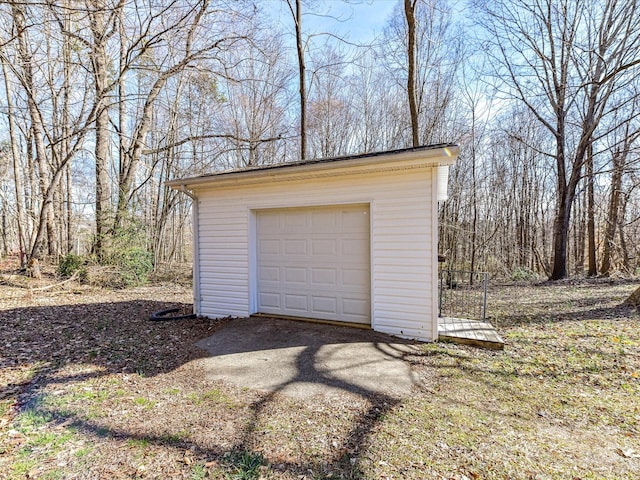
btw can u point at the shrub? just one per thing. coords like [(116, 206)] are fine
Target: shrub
[(70, 264), (135, 266), (523, 274), (121, 269), (124, 259)]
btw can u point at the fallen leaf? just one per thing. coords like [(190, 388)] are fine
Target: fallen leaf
[(630, 453)]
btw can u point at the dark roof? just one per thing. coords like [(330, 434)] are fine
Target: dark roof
[(321, 160)]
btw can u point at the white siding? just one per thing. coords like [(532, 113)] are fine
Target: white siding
[(403, 253)]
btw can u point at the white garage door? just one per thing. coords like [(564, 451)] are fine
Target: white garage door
[(314, 262)]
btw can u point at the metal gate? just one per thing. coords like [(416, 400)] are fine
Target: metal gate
[(463, 294)]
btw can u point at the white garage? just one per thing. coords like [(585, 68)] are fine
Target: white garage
[(349, 239)]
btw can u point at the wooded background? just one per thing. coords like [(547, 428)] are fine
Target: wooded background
[(102, 101)]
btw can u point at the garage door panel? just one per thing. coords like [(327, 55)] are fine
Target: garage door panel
[(354, 277), (323, 221), (355, 306), (270, 300), (269, 274), (355, 221), (324, 305), (295, 275), (297, 303), (269, 222), (295, 220), (324, 246), (351, 246), (314, 262), (324, 276), (269, 247), (295, 247)]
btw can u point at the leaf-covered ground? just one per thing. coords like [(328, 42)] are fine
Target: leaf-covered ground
[(90, 388)]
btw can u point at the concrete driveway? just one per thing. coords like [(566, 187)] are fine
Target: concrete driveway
[(304, 359)]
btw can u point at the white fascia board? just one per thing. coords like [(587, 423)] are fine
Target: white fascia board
[(352, 166)]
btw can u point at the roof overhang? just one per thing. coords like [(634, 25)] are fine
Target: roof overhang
[(405, 159)]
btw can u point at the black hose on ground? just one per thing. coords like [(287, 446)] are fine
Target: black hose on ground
[(163, 315)]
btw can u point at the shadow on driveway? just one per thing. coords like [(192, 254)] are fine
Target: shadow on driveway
[(303, 359), (52, 342)]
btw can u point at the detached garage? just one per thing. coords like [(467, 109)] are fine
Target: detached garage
[(349, 239)]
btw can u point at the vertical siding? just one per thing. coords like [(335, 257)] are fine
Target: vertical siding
[(402, 250)]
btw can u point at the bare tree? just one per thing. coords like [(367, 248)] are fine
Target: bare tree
[(333, 120), (564, 61), (410, 15), (15, 162), (296, 14), (102, 21), (620, 157), (423, 53), (254, 113)]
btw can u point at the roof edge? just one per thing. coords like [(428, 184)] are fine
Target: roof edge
[(447, 151)]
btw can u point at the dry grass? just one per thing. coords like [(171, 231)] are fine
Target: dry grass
[(90, 388)]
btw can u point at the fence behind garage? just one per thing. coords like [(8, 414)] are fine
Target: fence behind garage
[(463, 294)]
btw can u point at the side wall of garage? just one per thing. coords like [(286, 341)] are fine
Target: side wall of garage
[(403, 242)]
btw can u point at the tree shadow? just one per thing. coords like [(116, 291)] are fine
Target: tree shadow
[(345, 460), (114, 335), (558, 312), (39, 341), (116, 338), (554, 302)]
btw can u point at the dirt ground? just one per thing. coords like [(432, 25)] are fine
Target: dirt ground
[(90, 389)]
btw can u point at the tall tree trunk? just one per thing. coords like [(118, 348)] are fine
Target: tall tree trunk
[(99, 63), (123, 143), (67, 211), (591, 220), (624, 250), (15, 156), (410, 14), (563, 209), (561, 227), (31, 192), (612, 213), (297, 16), (474, 197), (5, 230), (54, 219), (579, 235), (52, 242), (37, 127)]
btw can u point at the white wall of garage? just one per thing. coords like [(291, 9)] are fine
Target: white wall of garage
[(403, 209)]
